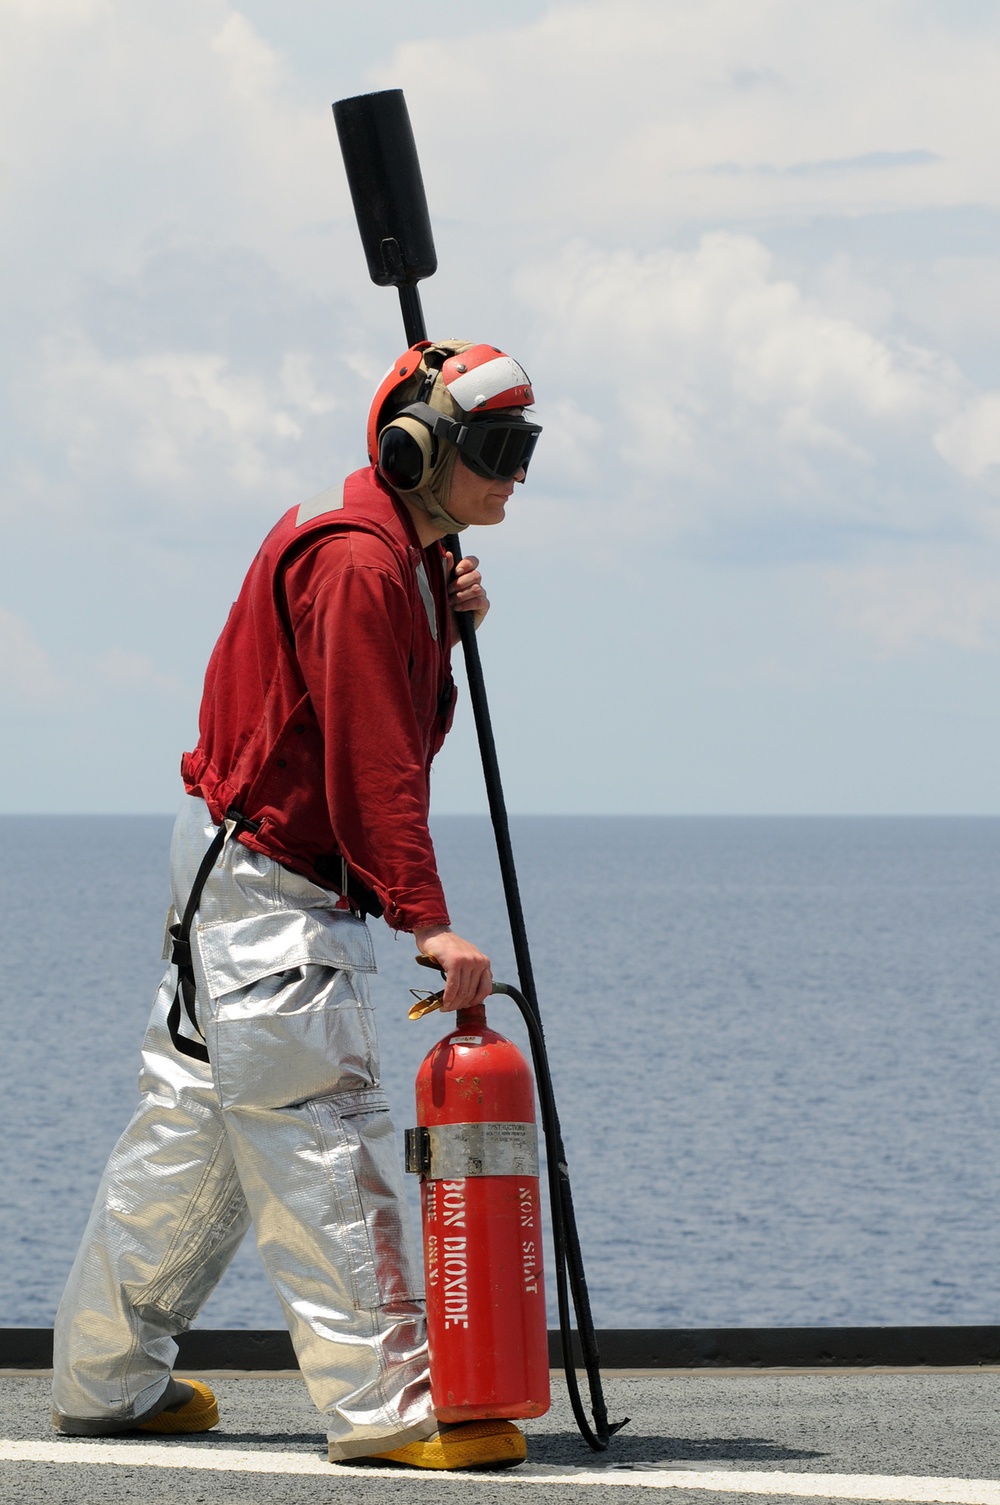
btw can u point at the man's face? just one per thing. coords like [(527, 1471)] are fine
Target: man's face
[(479, 501)]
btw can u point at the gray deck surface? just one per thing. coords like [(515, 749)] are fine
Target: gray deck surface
[(930, 1424)]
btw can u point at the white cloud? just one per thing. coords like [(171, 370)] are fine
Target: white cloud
[(955, 298), (26, 672), (724, 374), (299, 388), (44, 14), (971, 442), (572, 440), (752, 396), (123, 668), (30, 679), (179, 422), (905, 605), (254, 69), (639, 114), (169, 121)]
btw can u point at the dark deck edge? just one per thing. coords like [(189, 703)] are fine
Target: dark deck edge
[(620, 1348)]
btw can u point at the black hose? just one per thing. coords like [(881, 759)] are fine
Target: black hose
[(571, 1279), (568, 1257)]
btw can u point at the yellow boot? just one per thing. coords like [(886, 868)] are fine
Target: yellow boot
[(469, 1444), (198, 1413), (190, 1407)]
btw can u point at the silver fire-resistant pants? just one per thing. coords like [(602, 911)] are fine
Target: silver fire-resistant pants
[(287, 1128)]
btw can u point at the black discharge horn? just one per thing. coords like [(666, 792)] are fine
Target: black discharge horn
[(383, 172)]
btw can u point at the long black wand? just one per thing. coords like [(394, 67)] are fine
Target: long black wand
[(383, 172)]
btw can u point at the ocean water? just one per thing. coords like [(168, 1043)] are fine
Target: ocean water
[(774, 1044)]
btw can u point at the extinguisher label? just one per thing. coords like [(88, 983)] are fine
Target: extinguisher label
[(480, 1149)]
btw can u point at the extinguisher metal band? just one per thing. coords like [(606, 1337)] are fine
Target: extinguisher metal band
[(450, 1152)]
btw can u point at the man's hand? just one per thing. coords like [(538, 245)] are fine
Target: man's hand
[(468, 978), (465, 590)]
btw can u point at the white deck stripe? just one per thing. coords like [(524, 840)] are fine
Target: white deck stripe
[(902, 1487)]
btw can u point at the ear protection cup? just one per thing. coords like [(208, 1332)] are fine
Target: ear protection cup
[(407, 452)]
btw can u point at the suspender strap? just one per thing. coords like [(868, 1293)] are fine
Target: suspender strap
[(180, 952)]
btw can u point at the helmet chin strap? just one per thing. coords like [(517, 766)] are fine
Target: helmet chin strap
[(433, 496)]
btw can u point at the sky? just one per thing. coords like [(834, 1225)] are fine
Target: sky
[(748, 252)]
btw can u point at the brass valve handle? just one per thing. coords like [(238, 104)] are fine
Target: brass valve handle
[(426, 1003)]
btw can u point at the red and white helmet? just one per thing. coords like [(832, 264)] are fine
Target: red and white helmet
[(461, 379), (481, 379)]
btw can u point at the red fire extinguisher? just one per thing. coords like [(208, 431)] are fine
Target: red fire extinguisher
[(476, 1149)]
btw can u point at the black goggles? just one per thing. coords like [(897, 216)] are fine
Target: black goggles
[(494, 446)]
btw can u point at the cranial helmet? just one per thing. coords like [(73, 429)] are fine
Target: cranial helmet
[(439, 401)]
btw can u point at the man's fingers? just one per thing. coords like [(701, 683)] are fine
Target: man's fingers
[(477, 602), (466, 574), (466, 985), (458, 992), (468, 585), (465, 589)]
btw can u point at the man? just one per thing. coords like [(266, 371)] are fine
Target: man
[(326, 698)]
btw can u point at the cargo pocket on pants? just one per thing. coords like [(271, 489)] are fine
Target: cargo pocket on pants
[(293, 1036), (368, 1178)]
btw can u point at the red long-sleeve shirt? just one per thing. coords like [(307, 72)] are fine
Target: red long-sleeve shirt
[(328, 695)]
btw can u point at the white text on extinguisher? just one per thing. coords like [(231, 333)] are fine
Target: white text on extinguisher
[(431, 1252), (453, 1203), (527, 1207), (456, 1256), (529, 1256)]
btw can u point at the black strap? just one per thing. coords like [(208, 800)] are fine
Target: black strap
[(180, 951)]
